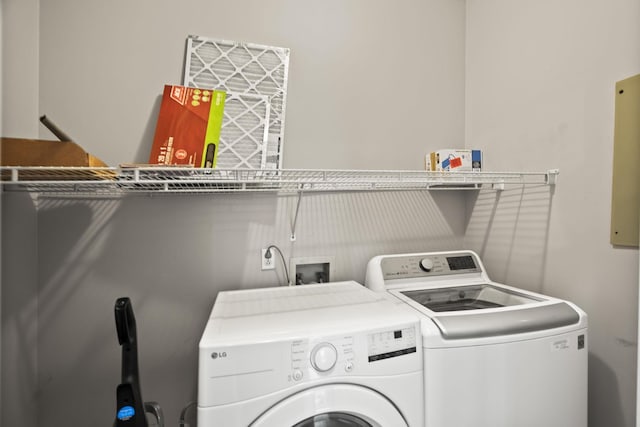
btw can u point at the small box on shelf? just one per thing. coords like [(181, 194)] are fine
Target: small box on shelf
[(454, 160)]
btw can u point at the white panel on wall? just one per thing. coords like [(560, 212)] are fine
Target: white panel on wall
[(625, 197)]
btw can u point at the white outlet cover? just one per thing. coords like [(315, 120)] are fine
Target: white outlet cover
[(267, 263)]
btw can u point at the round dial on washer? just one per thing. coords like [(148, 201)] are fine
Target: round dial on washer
[(426, 264), (324, 357)]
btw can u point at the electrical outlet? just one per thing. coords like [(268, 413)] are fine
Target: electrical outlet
[(268, 263)]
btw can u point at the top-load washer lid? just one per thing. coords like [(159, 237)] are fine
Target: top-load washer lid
[(471, 297), (529, 314), (455, 292)]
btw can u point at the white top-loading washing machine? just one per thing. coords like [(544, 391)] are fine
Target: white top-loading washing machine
[(494, 355), (334, 354)]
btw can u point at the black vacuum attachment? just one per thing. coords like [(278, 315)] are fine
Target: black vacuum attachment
[(130, 406)]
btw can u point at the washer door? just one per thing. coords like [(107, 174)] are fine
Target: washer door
[(335, 405)]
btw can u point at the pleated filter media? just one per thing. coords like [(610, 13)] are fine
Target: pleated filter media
[(255, 79)]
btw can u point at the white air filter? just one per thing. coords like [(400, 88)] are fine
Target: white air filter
[(243, 69), (244, 133)]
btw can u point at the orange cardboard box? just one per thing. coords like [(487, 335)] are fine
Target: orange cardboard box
[(37, 152), (188, 128)]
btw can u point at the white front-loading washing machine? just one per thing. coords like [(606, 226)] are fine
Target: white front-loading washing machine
[(334, 354), (494, 355)]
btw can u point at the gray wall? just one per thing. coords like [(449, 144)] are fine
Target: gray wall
[(171, 256), (366, 78), (19, 310), (20, 69), (540, 79), (530, 83), (372, 85)]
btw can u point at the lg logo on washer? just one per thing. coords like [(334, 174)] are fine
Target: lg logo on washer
[(216, 355)]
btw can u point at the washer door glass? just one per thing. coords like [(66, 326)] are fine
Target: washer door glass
[(333, 405), (334, 419)]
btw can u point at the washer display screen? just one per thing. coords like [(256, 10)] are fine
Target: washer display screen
[(391, 343), (461, 263)]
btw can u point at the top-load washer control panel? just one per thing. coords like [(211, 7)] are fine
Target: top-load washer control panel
[(428, 265)]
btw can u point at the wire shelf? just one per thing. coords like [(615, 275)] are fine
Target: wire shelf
[(119, 181)]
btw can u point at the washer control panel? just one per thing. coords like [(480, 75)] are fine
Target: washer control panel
[(324, 356), (391, 343), (346, 354), (428, 265), (327, 356)]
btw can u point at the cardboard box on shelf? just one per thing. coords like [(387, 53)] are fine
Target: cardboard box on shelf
[(42, 160), (454, 160), (188, 128), (37, 152)]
